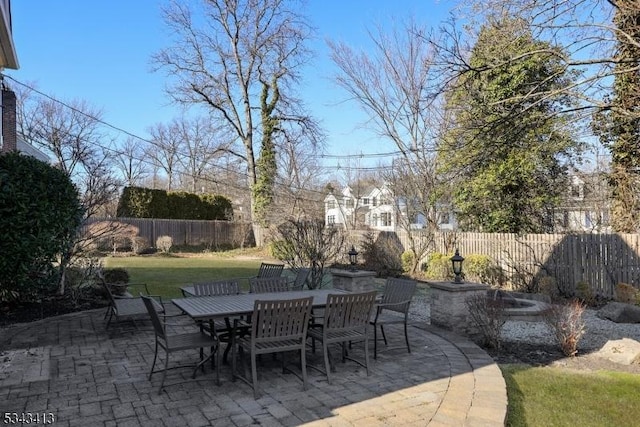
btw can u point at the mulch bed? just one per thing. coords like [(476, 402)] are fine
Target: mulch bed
[(51, 306)]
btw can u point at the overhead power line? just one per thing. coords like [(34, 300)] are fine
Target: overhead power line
[(242, 174)]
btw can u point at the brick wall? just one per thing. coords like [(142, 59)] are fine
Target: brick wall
[(9, 133)]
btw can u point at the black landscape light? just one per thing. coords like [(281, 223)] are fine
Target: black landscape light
[(456, 260), (353, 257)]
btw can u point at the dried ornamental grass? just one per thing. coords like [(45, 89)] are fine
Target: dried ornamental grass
[(567, 324)]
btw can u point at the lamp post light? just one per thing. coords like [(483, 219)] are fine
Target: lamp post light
[(353, 258), (456, 260)]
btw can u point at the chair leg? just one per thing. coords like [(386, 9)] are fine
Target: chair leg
[(375, 341), (384, 337), (233, 359), (303, 367), (218, 359), (327, 363), (366, 353), (406, 336), (164, 373), (254, 376), (155, 357)]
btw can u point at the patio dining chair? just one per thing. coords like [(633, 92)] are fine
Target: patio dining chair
[(270, 270), (393, 308), (221, 328), (215, 287), (302, 275), (177, 342), (346, 318), (124, 306), (277, 326), (268, 284)]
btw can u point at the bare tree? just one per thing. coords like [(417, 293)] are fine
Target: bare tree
[(71, 133), (130, 161), (239, 60), (394, 86), (164, 151), (308, 243), (298, 193), (200, 144)]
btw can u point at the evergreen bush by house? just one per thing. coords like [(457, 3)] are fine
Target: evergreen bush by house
[(40, 212)]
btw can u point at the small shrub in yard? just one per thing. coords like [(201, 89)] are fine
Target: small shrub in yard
[(627, 293), (584, 292), (567, 325), (439, 266), (478, 268), (115, 275), (408, 259), (140, 245), (547, 286), (164, 243), (489, 315)]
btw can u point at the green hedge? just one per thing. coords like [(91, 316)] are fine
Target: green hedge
[(40, 213), (138, 202)]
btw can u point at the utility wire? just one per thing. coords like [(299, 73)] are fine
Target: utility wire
[(241, 174)]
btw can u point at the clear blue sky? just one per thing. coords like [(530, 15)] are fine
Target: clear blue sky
[(99, 51)]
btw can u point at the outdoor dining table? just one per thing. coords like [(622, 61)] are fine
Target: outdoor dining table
[(209, 308), (217, 307)]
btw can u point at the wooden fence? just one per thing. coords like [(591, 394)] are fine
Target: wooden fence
[(599, 260), (214, 234)]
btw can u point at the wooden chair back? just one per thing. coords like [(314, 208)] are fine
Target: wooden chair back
[(270, 270), (398, 293), (268, 284), (348, 312), (158, 325), (279, 322), (302, 274), (216, 288)]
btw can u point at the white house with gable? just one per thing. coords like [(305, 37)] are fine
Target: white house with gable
[(374, 207)]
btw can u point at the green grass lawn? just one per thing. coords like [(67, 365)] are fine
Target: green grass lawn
[(551, 396), (537, 396), (164, 275)]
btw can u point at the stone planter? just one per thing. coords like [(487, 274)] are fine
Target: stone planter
[(353, 281), (449, 309)]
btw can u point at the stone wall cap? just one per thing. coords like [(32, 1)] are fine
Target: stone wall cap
[(457, 287), (349, 273)]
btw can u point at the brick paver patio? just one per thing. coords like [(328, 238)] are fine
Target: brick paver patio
[(87, 375)]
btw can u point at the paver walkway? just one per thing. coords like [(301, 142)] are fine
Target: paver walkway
[(85, 375)]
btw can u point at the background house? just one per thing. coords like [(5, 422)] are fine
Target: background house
[(585, 207), (375, 207)]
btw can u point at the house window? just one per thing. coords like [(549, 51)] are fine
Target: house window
[(365, 201), (374, 220), (385, 219), (349, 203), (374, 201), (576, 191), (331, 204), (588, 220), (445, 218), (331, 220)]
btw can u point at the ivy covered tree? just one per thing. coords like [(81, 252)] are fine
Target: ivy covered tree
[(619, 125), (40, 213), (508, 152)]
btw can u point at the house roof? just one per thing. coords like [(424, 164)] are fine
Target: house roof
[(24, 147), (8, 56)]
